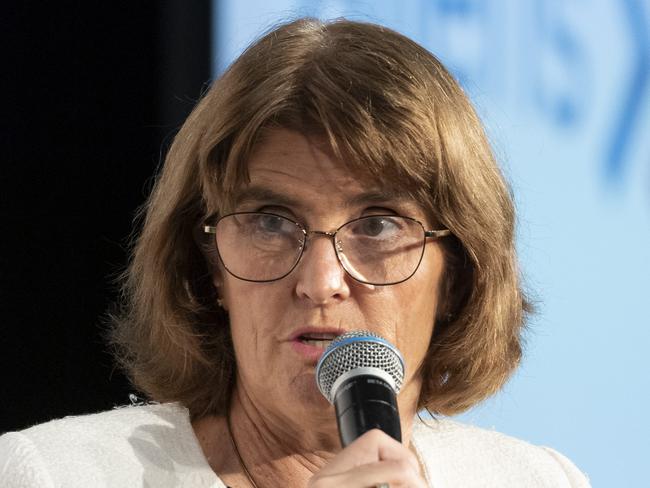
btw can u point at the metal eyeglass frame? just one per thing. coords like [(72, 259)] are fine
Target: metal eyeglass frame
[(432, 234)]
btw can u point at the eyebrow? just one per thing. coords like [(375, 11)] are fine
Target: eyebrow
[(254, 194)]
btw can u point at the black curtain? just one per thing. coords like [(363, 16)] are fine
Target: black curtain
[(92, 94)]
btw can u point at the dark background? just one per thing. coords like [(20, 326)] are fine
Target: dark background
[(92, 95)]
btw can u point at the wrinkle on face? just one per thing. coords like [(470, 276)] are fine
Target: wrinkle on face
[(289, 173)]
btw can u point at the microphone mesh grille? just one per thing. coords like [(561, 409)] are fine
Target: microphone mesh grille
[(345, 354)]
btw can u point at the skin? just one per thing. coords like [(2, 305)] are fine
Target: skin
[(284, 428)]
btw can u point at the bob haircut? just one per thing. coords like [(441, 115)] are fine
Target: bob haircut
[(392, 113)]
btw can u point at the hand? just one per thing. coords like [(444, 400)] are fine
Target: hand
[(372, 459)]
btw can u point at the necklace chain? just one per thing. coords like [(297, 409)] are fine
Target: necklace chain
[(238, 454)]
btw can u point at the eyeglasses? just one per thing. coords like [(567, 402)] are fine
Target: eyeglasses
[(377, 249)]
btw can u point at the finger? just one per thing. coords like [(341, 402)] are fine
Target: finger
[(397, 473), (397, 451), (371, 447)]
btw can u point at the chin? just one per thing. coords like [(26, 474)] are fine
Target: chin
[(310, 398)]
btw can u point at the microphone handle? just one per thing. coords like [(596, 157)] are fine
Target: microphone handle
[(366, 402)]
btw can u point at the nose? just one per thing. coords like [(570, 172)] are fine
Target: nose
[(320, 277)]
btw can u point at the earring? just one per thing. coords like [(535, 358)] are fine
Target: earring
[(220, 302)]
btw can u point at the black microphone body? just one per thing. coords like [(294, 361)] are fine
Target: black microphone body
[(364, 402), (361, 374)]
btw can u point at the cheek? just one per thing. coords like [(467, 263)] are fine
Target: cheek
[(252, 307), (414, 333), (419, 302)]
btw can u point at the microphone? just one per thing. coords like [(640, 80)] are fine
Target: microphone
[(361, 373)]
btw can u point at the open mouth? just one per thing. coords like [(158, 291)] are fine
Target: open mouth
[(320, 340)]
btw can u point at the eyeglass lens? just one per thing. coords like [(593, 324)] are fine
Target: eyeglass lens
[(375, 249)]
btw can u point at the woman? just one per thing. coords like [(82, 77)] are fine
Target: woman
[(334, 178)]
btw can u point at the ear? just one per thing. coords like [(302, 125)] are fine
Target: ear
[(217, 281)]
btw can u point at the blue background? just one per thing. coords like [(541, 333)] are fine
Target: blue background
[(563, 88)]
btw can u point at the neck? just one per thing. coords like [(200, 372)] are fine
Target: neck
[(275, 449)]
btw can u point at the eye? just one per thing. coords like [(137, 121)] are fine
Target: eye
[(271, 224), (380, 227)]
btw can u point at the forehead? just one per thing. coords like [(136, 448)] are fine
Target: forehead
[(286, 155), (289, 168)]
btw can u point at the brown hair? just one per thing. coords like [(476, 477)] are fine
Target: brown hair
[(400, 118)]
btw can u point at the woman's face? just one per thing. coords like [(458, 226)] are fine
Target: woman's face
[(296, 177)]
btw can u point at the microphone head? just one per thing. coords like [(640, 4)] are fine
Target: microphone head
[(361, 351)]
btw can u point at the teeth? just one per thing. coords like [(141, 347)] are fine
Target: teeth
[(319, 337), (322, 343)]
